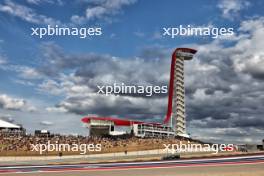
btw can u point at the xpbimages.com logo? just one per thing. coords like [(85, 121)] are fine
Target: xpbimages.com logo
[(117, 89), (192, 147), (188, 30), (82, 32), (51, 147)]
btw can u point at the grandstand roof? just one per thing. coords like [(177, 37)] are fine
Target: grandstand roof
[(5, 124), (117, 122)]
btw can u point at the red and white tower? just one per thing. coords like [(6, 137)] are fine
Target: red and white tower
[(176, 117)]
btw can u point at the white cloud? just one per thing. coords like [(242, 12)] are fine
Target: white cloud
[(24, 72), (230, 97), (30, 73), (51, 86), (231, 8), (139, 34), (56, 109), (250, 60), (46, 123), (38, 2), (26, 13), (23, 82), (2, 60), (99, 9), (86, 71), (34, 1), (65, 86), (112, 105), (9, 103)]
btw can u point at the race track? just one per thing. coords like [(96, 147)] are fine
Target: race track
[(250, 165)]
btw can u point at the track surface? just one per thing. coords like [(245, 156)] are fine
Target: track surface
[(52, 169)]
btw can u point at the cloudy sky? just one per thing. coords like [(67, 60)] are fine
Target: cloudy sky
[(50, 83)]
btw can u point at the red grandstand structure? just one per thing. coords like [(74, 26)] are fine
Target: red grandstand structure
[(173, 123)]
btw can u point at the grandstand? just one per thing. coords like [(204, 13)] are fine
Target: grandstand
[(10, 128), (17, 145)]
